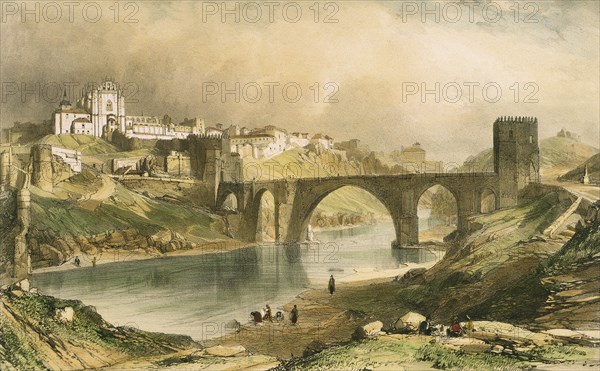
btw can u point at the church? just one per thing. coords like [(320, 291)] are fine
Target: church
[(101, 111)]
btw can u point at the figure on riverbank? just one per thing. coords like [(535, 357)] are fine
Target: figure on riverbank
[(256, 317), (279, 316), (77, 261), (94, 262), (469, 326), (294, 315), (425, 326), (455, 330), (331, 285), (268, 316)]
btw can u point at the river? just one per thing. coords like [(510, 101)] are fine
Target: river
[(197, 295)]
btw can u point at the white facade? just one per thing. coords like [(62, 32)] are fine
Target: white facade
[(101, 111), (322, 140)]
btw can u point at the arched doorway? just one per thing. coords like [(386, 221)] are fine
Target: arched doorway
[(488, 201), (437, 213), (230, 203)]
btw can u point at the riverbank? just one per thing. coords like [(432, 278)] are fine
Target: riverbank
[(114, 255)]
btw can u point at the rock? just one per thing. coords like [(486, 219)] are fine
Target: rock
[(116, 239), (65, 315), (226, 351), (373, 328), (162, 237), (409, 322), (497, 349), (89, 249), (233, 324), (17, 293), (476, 348), (24, 285)]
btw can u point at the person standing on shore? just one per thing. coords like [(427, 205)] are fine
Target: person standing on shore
[(331, 285), (94, 262), (294, 315)]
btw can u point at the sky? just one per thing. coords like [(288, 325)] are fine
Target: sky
[(350, 69)]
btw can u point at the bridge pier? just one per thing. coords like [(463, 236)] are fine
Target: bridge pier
[(407, 230)]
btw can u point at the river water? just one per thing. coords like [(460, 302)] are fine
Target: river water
[(197, 295)]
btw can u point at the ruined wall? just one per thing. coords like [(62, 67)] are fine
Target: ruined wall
[(178, 164)]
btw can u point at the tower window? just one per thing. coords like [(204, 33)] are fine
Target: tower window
[(510, 134), (531, 139)]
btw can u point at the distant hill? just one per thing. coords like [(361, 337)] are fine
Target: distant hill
[(593, 164), (557, 155), (86, 144)]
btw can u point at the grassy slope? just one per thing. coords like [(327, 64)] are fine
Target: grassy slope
[(33, 338), (484, 276), (123, 210)]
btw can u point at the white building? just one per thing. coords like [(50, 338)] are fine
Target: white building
[(101, 111), (322, 140)]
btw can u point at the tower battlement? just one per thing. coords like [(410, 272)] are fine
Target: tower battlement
[(516, 155)]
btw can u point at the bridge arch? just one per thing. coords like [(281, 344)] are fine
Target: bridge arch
[(261, 218), (436, 196), (312, 203)]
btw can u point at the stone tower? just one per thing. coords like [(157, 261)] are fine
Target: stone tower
[(516, 156)]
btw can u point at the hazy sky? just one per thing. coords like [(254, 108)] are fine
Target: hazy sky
[(375, 54)]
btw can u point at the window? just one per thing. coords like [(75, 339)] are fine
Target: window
[(531, 139), (510, 134)]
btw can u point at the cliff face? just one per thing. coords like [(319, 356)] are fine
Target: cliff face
[(572, 280), (8, 232)]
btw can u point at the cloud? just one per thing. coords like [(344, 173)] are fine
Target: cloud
[(170, 53)]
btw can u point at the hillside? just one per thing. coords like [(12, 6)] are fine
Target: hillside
[(91, 214), (44, 333), (86, 144), (557, 155), (593, 165)]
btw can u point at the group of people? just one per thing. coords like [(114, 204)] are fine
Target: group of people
[(454, 330), (267, 316)]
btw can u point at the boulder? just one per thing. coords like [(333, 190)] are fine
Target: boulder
[(497, 349), (409, 322), (226, 351), (116, 239), (66, 314), (24, 285), (373, 328)]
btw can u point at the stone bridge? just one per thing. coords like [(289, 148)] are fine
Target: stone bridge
[(295, 200), (516, 164)]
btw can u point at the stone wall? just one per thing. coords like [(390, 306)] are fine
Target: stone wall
[(178, 164)]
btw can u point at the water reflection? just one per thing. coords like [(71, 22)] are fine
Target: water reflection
[(189, 294)]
